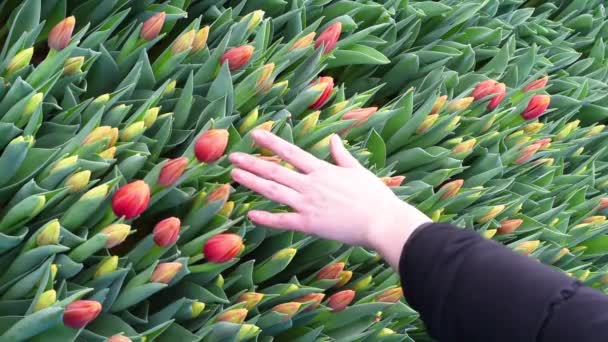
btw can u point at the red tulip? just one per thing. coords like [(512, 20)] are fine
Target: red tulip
[(80, 313), (165, 272), (211, 145), (223, 247), (603, 203), (536, 107), (221, 193), (330, 271), (329, 37), (509, 226), (131, 199), (451, 188), (487, 88), (317, 298), (61, 34), (172, 170), (166, 231), (390, 296), (340, 300), (237, 57), (152, 26), (538, 84), (328, 83)]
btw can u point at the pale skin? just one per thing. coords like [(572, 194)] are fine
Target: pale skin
[(343, 202)]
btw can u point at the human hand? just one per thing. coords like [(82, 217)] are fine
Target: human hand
[(343, 202)]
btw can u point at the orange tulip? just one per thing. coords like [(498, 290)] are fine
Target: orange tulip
[(61, 34), (237, 57), (166, 232), (330, 271), (223, 247), (538, 84), (152, 26), (340, 300), (211, 145), (536, 107), (328, 85), (165, 272)]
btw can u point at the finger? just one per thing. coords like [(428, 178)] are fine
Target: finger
[(340, 154), (268, 170), (292, 154), (267, 188), (290, 221)]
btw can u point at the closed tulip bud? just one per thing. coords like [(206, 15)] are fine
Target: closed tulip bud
[(316, 298), (197, 309), (102, 98), (152, 26), (441, 100), (393, 182), (170, 88), (584, 275), (227, 209), (119, 338), (237, 57), (595, 219), (568, 128), (289, 309), (96, 192), (385, 332), (131, 199), (344, 277), (331, 271), (200, 39), (247, 331), (251, 299), (340, 300), (49, 233), (64, 163), (427, 123), (61, 34), (509, 226), (536, 107), (362, 283), (338, 107), (561, 254), (465, 146), (533, 127), (249, 121), (254, 18), (132, 131), (107, 265), (80, 313), (325, 84), (264, 82), (211, 145), (165, 272), (487, 88), (172, 171), (285, 253), (451, 189), (304, 42), (108, 153), (54, 270), (595, 130), (223, 247), (150, 116), (116, 233), (100, 133), (527, 153), (329, 37), (492, 213), (72, 65), (33, 104), (460, 104), (489, 234), (527, 247), (544, 143), (233, 316), (603, 203), (183, 42), (579, 151), (46, 299), (360, 115), (20, 60), (390, 296), (166, 232), (221, 193), (538, 84)]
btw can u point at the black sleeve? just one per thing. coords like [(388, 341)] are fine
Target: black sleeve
[(468, 288)]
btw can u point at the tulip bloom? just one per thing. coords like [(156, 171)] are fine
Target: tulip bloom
[(304, 42), (116, 233), (393, 182), (330, 271), (527, 153), (166, 232), (61, 34), (439, 104), (152, 26), (80, 313), (487, 88), (509, 226), (317, 298), (131, 199), (451, 189), (360, 115), (172, 171), (340, 300), (183, 42), (200, 39), (527, 247), (251, 299), (211, 145), (603, 203), (538, 84), (165, 272), (237, 57), (119, 338), (290, 309), (233, 316), (223, 247), (221, 193), (536, 107), (327, 83), (345, 277), (329, 37), (390, 296)]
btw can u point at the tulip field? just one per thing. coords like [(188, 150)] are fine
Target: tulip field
[(119, 220)]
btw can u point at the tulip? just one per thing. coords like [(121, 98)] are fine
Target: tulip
[(363, 283), (264, 82), (460, 104), (116, 233), (233, 316), (152, 26), (393, 182), (489, 233), (344, 277), (428, 122), (527, 247), (533, 127), (210, 145), (64, 163), (46, 299), (251, 299), (603, 203), (165, 272), (451, 189), (131, 199), (73, 65), (200, 39), (32, 105), (49, 233), (487, 88), (538, 84), (108, 265), (61, 34), (227, 209), (249, 121), (385, 332), (527, 153), (54, 270), (595, 130), (20, 60), (237, 57), (465, 146), (390, 296), (360, 115), (304, 42), (326, 84), (509, 226), (536, 107), (172, 171), (223, 247), (289, 309), (183, 42), (197, 308), (492, 213), (247, 332), (254, 18), (316, 298), (340, 300), (108, 154), (330, 271), (595, 219), (166, 232), (543, 143), (119, 338), (80, 313), (132, 131), (151, 116), (98, 191), (284, 254), (329, 37), (561, 254)]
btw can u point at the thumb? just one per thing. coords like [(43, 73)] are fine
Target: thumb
[(340, 154)]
